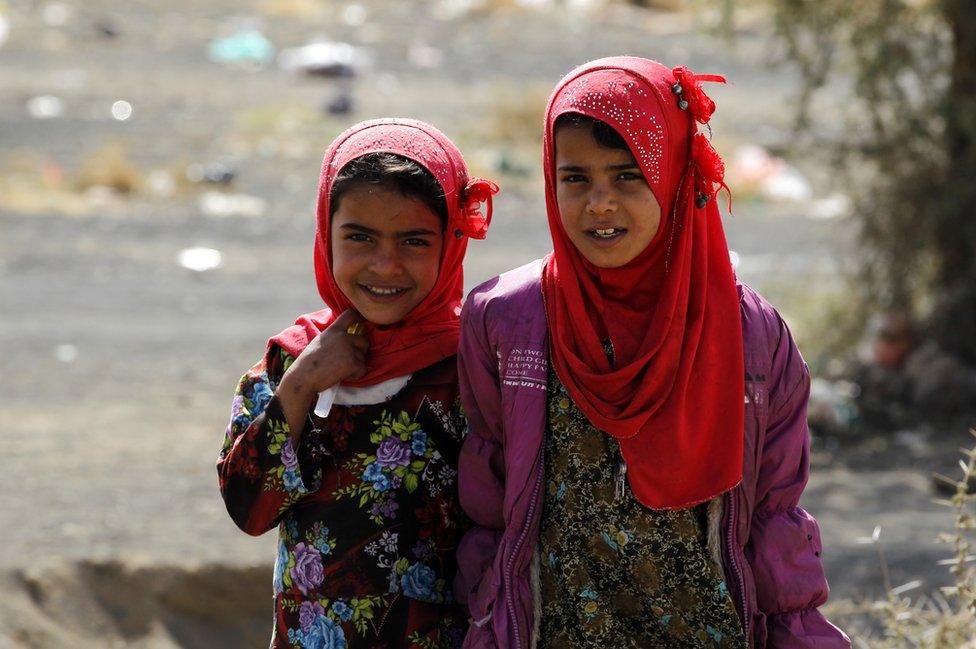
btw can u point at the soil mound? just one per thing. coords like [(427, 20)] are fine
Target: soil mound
[(118, 604)]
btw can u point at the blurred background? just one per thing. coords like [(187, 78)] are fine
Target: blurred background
[(158, 170)]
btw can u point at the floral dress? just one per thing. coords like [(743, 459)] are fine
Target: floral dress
[(366, 509), (614, 573)]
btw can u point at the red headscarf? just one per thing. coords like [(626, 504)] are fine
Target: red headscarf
[(428, 333), (674, 396)]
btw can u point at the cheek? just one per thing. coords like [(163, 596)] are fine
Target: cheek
[(566, 204), (427, 267), (343, 264)]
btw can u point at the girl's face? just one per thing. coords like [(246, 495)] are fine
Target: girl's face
[(386, 251), (606, 206)]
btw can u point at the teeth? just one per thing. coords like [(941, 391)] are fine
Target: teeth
[(383, 291), (609, 232)]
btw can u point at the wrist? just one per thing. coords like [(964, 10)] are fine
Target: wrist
[(294, 386)]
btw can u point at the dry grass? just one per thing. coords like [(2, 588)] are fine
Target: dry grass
[(942, 620)]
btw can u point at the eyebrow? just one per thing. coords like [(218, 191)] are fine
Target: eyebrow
[(616, 167), (355, 227)]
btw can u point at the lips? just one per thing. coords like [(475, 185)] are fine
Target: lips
[(382, 292)]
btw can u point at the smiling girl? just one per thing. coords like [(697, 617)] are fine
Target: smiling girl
[(638, 440), (346, 434)]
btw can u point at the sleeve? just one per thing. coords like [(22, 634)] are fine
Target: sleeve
[(480, 467), (259, 471), (784, 545)]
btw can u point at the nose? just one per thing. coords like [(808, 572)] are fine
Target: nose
[(386, 261), (600, 201)]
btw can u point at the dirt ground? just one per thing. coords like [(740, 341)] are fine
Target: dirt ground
[(120, 363)]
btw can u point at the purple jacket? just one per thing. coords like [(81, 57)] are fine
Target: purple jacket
[(769, 547)]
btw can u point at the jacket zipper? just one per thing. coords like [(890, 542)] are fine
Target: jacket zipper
[(737, 572), (508, 568)]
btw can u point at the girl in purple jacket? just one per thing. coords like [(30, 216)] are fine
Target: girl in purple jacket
[(638, 440)]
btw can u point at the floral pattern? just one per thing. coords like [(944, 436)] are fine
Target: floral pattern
[(614, 573), (366, 510)]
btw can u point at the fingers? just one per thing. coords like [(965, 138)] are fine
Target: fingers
[(346, 319), (359, 343)]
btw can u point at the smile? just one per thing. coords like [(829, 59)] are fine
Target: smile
[(606, 233), (381, 291)]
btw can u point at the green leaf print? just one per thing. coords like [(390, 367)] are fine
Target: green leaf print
[(410, 482), (401, 566)]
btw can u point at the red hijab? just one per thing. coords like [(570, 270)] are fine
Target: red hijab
[(673, 398), (429, 333)]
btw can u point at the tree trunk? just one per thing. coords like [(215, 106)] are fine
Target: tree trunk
[(954, 318)]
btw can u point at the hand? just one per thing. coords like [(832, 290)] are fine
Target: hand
[(331, 357)]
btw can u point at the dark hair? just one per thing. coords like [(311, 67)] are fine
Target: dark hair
[(394, 172), (602, 132)]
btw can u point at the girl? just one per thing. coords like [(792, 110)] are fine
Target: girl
[(638, 440), (346, 434)]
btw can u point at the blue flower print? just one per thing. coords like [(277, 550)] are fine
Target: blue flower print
[(280, 564), (418, 583), (342, 610), (374, 473), (323, 633), (291, 528), (292, 480), (261, 395), (418, 442)]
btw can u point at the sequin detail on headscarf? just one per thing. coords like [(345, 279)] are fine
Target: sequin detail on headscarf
[(620, 102)]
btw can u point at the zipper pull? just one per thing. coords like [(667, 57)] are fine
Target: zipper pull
[(621, 489)]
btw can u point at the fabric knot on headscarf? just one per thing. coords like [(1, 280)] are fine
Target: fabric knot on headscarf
[(472, 223), (710, 167), (700, 105)]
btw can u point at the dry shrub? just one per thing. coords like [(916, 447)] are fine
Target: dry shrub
[(109, 167), (945, 619)]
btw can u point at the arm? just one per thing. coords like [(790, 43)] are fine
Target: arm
[(259, 470), (481, 472), (784, 545)]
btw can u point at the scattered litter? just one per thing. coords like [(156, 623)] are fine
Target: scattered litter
[(121, 110), (161, 183), (106, 28), (214, 173), (224, 205), (772, 176), (199, 259), (424, 56), (788, 185), (341, 104), (108, 167), (56, 14), (247, 47), (4, 29), (45, 107), (354, 15), (890, 338), (831, 406), (66, 353), (453, 9), (323, 59), (832, 207)]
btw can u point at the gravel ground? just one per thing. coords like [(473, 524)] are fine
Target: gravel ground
[(120, 364)]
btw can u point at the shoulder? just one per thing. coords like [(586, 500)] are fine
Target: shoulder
[(522, 285), (764, 331), (769, 347), (515, 294)]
